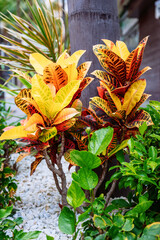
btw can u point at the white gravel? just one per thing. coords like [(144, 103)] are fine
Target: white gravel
[(39, 206)]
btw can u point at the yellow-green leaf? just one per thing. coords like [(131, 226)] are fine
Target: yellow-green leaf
[(65, 94), (65, 114), (13, 133), (43, 96), (46, 135), (39, 62), (122, 50)]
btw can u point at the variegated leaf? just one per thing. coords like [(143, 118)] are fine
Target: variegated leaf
[(82, 70), (130, 64), (101, 103), (39, 62), (71, 72), (47, 134), (64, 126), (134, 78), (35, 164), (133, 95), (56, 75), (121, 114), (65, 114), (34, 120), (65, 95), (142, 100), (141, 117), (109, 44), (43, 97), (114, 97), (68, 158), (21, 156), (113, 143), (103, 76), (77, 104)]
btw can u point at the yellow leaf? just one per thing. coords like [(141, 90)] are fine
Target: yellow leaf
[(122, 50), (71, 71), (46, 135), (39, 62), (62, 58), (65, 95), (64, 115), (133, 95), (101, 103), (43, 96), (34, 119), (13, 133), (109, 44), (21, 156), (73, 59)]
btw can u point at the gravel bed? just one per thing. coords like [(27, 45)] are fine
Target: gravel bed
[(39, 206)]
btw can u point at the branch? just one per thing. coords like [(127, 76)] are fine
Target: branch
[(109, 194), (49, 164), (102, 177)]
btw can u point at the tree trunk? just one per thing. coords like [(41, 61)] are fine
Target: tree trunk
[(89, 22)]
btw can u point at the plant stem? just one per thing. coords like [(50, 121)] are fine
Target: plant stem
[(101, 178), (109, 194)]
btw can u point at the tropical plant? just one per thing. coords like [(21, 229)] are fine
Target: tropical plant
[(41, 30), (121, 92), (51, 106)]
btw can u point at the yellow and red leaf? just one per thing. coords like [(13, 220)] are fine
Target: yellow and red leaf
[(65, 114)]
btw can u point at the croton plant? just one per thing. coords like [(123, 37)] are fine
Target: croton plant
[(56, 121)]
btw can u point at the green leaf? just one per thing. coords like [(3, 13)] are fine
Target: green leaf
[(6, 212), (120, 156), (152, 153), (49, 237), (75, 195), (67, 221), (128, 225), (118, 220), (151, 232), (20, 235), (87, 178), (85, 159), (155, 136), (143, 128), (140, 208), (99, 222), (131, 144), (155, 104), (84, 215), (140, 146), (46, 135), (120, 203), (100, 140), (101, 237)]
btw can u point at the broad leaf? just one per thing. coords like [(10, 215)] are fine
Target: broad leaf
[(64, 126), (75, 195), (141, 117), (122, 50), (39, 62), (34, 119), (87, 178), (67, 221), (65, 95), (43, 97), (6, 212), (118, 148), (133, 95), (64, 115), (100, 140), (82, 70), (56, 75), (73, 59), (85, 159), (99, 222), (13, 133), (101, 103), (151, 232), (46, 135)]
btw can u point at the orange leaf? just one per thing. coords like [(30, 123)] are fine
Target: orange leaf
[(64, 126), (55, 74), (21, 156), (82, 70), (64, 115), (34, 120)]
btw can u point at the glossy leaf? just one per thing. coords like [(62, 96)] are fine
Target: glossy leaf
[(118, 148), (64, 126), (101, 103), (151, 231), (6, 212), (75, 195), (82, 70), (35, 164), (34, 119), (99, 222), (141, 117), (122, 50), (67, 221), (100, 140), (85, 159)]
